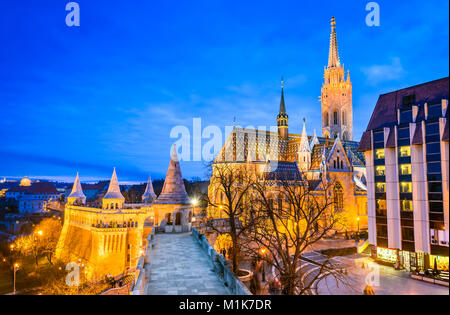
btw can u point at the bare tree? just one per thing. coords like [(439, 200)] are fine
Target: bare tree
[(228, 199), (296, 215)]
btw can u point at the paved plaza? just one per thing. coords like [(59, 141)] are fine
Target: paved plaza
[(391, 281), (180, 267)]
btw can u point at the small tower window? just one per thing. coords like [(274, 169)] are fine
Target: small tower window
[(336, 118)]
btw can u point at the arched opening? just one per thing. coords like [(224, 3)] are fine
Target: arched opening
[(344, 117), (345, 136), (336, 118), (338, 197), (326, 120), (190, 217), (169, 219), (178, 218)]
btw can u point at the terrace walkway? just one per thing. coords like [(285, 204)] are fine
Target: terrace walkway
[(179, 266)]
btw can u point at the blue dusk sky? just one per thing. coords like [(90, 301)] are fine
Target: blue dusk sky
[(109, 92)]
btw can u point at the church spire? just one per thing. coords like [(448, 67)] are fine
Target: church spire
[(304, 143), (333, 58), (283, 118), (282, 105)]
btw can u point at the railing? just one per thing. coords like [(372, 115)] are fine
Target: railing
[(143, 268), (221, 266)]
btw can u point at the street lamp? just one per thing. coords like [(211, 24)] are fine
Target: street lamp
[(16, 267), (357, 219), (263, 275)]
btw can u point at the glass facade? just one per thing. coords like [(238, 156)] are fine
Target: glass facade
[(380, 188)]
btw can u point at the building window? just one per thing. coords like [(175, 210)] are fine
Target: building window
[(338, 197), (380, 154), (380, 170), (405, 169), (404, 151), (344, 118), (336, 118), (406, 205), (406, 187), (409, 99), (381, 204), (380, 188)]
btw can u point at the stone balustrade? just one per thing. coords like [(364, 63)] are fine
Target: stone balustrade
[(221, 266)]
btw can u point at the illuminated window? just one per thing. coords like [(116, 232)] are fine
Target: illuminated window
[(379, 154), (405, 151), (381, 204), (338, 197), (405, 169), (386, 254), (380, 170), (406, 205), (405, 187), (380, 188)]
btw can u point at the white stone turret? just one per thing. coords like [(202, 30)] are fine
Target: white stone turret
[(304, 151), (77, 196), (149, 195), (113, 198), (314, 141)]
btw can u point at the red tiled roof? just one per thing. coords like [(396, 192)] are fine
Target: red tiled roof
[(39, 188)]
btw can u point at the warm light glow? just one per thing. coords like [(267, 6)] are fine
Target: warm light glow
[(405, 151), (357, 219), (379, 154), (16, 265), (40, 233), (263, 251), (195, 202)]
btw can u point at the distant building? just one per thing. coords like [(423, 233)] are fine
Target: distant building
[(407, 157), (32, 197)]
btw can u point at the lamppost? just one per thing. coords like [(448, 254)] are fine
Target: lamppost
[(357, 219), (263, 272), (16, 267)]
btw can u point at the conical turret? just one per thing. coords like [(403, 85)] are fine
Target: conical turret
[(149, 195), (173, 191), (77, 194), (314, 141), (304, 151), (113, 198), (114, 188)]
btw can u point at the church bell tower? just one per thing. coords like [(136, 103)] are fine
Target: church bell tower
[(336, 98)]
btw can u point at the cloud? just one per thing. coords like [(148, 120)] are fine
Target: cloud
[(383, 73)]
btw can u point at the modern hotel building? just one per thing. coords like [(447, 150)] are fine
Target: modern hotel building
[(406, 147)]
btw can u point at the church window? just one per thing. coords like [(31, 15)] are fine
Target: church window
[(338, 162), (334, 162), (342, 164), (344, 118), (338, 197), (336, 118)]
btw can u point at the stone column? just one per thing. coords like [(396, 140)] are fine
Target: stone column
[(392, 196), (370, 176), (420, 192)]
